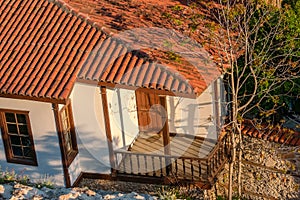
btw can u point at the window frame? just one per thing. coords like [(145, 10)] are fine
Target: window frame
[(69, 155), (7, 143)]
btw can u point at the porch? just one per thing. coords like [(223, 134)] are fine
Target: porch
[(191, 160)]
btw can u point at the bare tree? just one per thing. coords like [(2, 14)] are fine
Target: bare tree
[(257, 62)]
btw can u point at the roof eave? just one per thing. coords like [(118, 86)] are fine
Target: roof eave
[(31, 98)]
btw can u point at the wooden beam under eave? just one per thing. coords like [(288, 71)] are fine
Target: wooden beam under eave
[(128, 87), (60, 138), (31, 98), (108, 131)]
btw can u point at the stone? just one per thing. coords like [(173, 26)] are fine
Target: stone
[(90, 193), (120, 195), (270, 162), (24, 187), (18, 193), (83, 197), (37, 197), (14, 198), (35, 192), (65, 196), (2, 189), (108, 196), (8, 189), (131, 195), (139, 197)]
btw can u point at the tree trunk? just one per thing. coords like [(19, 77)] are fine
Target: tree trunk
[(240, 149), (231, 165), (240, 171)]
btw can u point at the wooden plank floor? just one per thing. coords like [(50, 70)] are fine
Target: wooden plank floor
[(148, 143), (179, 144)]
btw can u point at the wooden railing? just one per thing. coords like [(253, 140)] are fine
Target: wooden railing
[(218, 157), (160, 165), (181, 168)]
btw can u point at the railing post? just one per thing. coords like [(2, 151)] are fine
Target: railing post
[(123, 158), (146, 168), (183, 165), (131, 167), (192, 169), (153, 166), (116, 164), (138, 163), (161, 166), (199, 168), (176, 167), (208, 169)]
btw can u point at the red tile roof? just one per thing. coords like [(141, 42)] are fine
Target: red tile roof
[(46, 45), (271, 133), (41, 48)]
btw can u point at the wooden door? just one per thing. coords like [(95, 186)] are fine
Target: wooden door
[(151, 114)]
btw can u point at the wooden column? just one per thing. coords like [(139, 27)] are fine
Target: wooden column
[(61, 144), (108, 131), (166, 135)]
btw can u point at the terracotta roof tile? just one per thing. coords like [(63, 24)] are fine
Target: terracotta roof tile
[(142, 73), (45, 46), (39, 49), (270, 133)]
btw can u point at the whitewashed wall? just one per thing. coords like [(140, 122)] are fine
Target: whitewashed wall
[(123, 116), (198, 116), (45, 140), (193, 116), (89, 122)]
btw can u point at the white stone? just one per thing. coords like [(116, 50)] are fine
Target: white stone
[(65, 196), (120, 195), (108, 196), (2, 189), (35, 192), (90, 193), (139, 197), (36, 197)]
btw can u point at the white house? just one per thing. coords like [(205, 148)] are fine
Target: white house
[(76, 102)]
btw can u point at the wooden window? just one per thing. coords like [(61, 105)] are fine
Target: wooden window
[(68, 132), (17, 137)]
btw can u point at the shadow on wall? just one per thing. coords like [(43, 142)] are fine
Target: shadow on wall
[(93, 151), (48, 158), (191, 121)]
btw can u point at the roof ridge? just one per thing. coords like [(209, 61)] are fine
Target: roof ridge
[(68, 8)]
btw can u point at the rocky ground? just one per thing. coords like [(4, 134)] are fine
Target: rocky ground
[(162, 192), (101, 189), (16, 191)]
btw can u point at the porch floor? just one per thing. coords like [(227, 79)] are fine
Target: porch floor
[(146, 157), (180, 145)]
